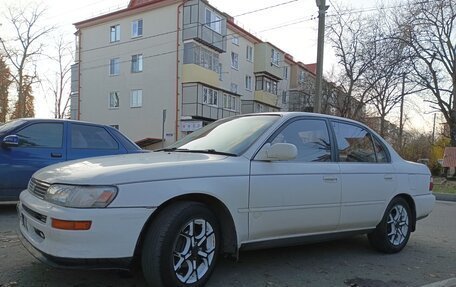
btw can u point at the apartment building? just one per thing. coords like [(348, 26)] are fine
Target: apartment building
[(302, 87), (160, 69)]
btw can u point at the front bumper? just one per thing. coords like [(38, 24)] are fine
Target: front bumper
[(112, 237)]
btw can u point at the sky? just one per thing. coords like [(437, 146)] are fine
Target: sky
[(291, 26)]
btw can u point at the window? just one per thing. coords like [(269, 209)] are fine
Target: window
[(311, 139), (235, 40), (114, 100), (91, 137), (136, 98), (285, 72), (115, 33), (301, 77), (137, 28), (195, 54), (41, 135), (137, 63), (114, 67), (248, 83), (354, 143), (259, 108), (232, 103), (284, 97), (275, 57), (263, 83), (210, 96), (220, 72), (213, 21), (380, 152), (234, 61), (249, 53), (234, 88)]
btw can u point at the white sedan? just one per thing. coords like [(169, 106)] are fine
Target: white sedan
[(244, 182)]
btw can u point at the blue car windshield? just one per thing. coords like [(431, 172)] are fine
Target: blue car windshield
[(230, 135), (10, 125)]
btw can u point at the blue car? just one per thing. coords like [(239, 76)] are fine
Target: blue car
[(30, 144)]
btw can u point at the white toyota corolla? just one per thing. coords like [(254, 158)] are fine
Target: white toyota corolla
[(244, 182)]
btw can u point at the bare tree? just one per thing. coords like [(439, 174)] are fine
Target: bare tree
[(349, 35), (22, 51), (428, 30), (5, 82), (60, 85)]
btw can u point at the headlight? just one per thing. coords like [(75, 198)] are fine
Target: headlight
[(80, 196)]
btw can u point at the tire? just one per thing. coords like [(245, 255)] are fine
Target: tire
[(393, 232), (184, 235)]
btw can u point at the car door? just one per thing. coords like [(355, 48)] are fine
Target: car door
[(87, 140), (367, 176), (40, 144), (299, 196)]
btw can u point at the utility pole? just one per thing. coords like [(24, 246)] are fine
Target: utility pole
[(433, 130), (163, 128), (322, 7), (401, 121)]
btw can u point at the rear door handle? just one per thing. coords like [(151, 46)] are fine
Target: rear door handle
[(388, 177), (57, 155)]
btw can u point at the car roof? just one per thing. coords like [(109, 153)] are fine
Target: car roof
[(289, 115), (60, 120)]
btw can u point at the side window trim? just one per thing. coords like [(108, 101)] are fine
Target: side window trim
[(373, 137), (71, 133), (290, 121), (63, 140)]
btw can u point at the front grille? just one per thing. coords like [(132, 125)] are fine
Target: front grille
[(38, 188), (34, 214)]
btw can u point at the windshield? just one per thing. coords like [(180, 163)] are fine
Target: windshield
[(230, 136), (10, 125)]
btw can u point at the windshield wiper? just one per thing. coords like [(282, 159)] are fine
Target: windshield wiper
[(209, 151), (171, 149)]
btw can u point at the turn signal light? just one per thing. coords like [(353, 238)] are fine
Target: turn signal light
[(71, 225)]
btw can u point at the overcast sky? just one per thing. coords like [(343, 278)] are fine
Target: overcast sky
[(292, 27)]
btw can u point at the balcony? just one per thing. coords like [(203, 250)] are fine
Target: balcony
[(204, 24), (203, 102)]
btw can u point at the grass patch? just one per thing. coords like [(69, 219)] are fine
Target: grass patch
[(446, 186)]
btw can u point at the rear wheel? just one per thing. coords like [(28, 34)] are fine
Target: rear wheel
[(393, 232), (181, 247)]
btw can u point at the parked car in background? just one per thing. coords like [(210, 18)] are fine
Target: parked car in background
[(245, 182), (30, 144)]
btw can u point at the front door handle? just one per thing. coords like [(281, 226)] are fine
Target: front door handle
[(330, 178), (56, 155), (388, 177)]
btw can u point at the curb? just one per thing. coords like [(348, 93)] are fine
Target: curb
[(445, 283), (445, 196)]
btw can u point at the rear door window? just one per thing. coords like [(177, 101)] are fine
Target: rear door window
[(354, 143), (91, 137)]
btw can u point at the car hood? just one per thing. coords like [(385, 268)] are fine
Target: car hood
[(129, 168)]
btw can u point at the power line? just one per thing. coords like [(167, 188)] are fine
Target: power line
[(195, 25), (182, 49)]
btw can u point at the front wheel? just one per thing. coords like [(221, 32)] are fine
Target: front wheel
[(393, 232), (181, 246)]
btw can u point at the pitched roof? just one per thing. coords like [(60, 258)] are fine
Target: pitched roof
[(449, 157)]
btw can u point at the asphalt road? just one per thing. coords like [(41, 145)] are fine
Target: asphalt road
[(429, 257)]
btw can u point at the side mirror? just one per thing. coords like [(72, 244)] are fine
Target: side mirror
[(277, 152), (11, 140)]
